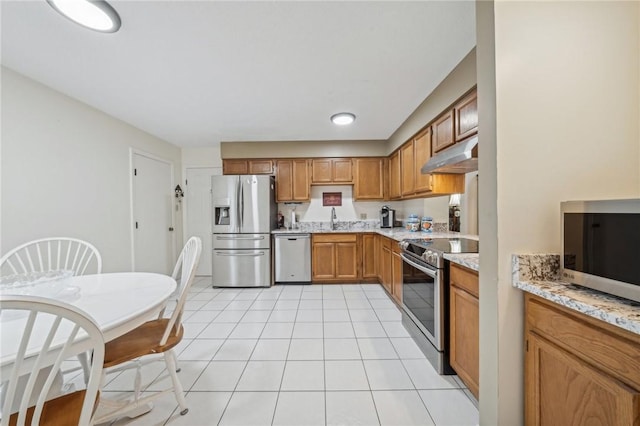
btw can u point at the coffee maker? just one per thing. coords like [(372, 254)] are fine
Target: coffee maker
[(387, 217)]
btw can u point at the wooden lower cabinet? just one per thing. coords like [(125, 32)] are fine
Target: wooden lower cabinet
[(386, 264), (335, 258), (396, 274), (578, 370), (369, 257), (464, 326)]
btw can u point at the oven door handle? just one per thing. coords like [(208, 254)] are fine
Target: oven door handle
[(433, 273)]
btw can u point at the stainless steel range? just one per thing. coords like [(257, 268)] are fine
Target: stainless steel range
[(425, 294)]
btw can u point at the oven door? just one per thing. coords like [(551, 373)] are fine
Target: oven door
[(422, 299)]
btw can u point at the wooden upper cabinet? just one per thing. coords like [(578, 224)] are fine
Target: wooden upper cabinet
[(301, 183), (321, 170), (292, 180), (394, 175), (466, 116), (284, 180), (407, 165), (369, 178), (422, 154), (331, 170), (260, 167), (247, 167), (235, 167), (342, 170), (443, 132)]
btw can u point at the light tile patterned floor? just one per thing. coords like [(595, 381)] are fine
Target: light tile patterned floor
[(300, 355)]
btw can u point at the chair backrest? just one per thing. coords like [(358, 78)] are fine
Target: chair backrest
[(38, 334), (49, 254), (183, 273)]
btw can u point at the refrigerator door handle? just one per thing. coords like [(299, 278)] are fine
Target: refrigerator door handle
[(238, 237), (221, 253), (241, 204), (237, 206)]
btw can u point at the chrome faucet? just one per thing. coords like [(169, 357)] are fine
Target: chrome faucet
[(333, 217)]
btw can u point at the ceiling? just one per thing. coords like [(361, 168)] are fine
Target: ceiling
[(195, 73)]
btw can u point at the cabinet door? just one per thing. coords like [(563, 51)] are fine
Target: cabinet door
[(379, 239), (284, 180), (369, 255), (422, 154), (235, 167), (394, 175), (464, 337), (300, 184), (466, 116), (321, 170), (369, 184), (260, 167), (564, 390), (387, 266), (443, 132), (396, 276), (407, 167), (346, 261), (322, 262), (342, 170)]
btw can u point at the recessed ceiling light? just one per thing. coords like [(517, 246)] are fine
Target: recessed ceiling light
[(96, 14), (343, 118)]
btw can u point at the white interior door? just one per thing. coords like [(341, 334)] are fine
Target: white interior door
[(152, 215), (198, 211)]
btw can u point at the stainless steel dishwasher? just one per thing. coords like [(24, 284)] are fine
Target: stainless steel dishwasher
[(293, 258)]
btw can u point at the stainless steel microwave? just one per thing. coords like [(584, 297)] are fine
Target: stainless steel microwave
[(601, 245)]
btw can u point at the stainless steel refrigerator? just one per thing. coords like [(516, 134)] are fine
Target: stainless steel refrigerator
[(244, 213)]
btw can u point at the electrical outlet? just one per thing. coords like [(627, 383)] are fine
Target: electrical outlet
[(363, 216)]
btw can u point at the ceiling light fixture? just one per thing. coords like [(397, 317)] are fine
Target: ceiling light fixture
[(97, 15), (343, 118)]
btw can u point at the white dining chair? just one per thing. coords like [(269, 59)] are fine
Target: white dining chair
[(50, 254), (158, 336), (45, 333)]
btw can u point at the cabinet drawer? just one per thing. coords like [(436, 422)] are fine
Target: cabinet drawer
[(335, 238), (465, 279), (615, 351)]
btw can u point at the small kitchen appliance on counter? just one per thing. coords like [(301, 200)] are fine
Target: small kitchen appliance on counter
[(425, 294), (387, 217)]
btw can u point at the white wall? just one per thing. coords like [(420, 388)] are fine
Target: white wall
[(202, 157), (65, 170), (566, 127)]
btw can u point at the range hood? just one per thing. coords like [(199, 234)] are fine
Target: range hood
[(462, 157)]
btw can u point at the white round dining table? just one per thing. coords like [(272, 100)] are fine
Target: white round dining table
[(118, 302)]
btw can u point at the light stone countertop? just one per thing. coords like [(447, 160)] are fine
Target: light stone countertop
[(397, 234), (539, 274), (469, 260)]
